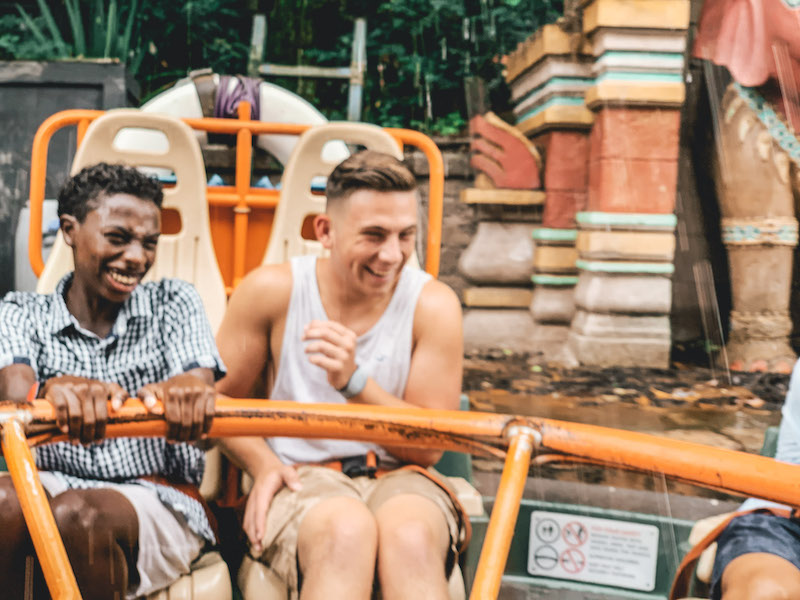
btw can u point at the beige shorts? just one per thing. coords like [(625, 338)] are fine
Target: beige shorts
[(167, 547), (319, 483)]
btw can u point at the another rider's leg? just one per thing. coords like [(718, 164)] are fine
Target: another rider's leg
[(100, 530), (413, 542), (760, 576), (336, 547), (16, 549)]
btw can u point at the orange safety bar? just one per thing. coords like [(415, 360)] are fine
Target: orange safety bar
[(241, 197), (514, 437)]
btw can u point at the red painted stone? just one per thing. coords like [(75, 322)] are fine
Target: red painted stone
[(644, 133), (630, 185), (503, 156), (560, 207), (566, 164)]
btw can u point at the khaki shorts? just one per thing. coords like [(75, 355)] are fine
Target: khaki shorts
[(319, 483), (167, 547)]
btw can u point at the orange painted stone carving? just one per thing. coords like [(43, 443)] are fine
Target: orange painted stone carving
[(504, 155)]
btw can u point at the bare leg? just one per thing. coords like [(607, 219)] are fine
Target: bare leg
[(336, 547), (760, 576), (16, 549), (101, 532), (412, 547)]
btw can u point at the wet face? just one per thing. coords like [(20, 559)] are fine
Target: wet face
[(371, 237), (115, 245)]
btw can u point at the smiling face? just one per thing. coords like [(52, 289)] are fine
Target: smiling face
[(114, 246), (371, 236)]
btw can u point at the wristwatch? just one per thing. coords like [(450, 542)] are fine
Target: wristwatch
[(356, 384)]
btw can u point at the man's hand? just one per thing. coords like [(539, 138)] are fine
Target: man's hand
[(188, 405), (81, 405), (332, 346), (265, 486)]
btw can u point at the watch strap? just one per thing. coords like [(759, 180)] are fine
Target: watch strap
[(356, 383)]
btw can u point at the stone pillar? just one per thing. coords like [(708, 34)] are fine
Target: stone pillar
[(626, 236), (624, 290), (548, 75)]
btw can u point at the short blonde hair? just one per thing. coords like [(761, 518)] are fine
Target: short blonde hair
[(368, 170)]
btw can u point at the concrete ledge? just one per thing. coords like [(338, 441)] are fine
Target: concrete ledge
[(624, 294), (555, 259), (553, 305), (626, 245), (497, 297), (499, 253), (497, 329), (501, 196), (645, 14), (621, 326), (635, 93), (557, 116), (621, 352), (549, 39)]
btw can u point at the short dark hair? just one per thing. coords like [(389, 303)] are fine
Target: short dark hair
[(82, 192), (368, 170)]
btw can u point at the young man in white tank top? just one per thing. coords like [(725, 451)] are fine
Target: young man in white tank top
[(360, 327)]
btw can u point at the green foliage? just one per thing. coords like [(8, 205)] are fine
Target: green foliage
[(418, 52), (159, 41), (95, 30)]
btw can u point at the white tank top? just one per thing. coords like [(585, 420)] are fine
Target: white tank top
[(384, 352)]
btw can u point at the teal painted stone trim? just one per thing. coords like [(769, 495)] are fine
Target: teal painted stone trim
[(642, 54), (562, 280), (584, 81), (767, 115), (654, 268), (784, 235), (545, 234), (626, 219), (556, 100), (635, 76)]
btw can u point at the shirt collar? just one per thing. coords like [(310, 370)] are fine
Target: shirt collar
[(137, 305)]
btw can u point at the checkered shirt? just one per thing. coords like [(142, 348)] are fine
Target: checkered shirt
[(160, 331)]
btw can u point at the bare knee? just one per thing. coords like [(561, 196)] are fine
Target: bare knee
[(10, 510), (337, 528), (412, 537), (78, 521), (764, 588), (760, 576)]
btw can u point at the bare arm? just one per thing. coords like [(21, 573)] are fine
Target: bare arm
[(243, 341), (434, 379), (15, 381)]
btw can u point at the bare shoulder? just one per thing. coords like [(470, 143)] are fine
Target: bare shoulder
[(264, 293), (438, 306)]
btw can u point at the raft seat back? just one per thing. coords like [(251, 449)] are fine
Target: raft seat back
[(187, 254), (307, 163)]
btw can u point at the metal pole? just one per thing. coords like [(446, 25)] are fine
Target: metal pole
[(497, 542), (38, 517), (258, 40), (358, 64)]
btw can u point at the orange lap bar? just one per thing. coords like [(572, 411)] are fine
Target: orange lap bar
[(38, 516), (248, 229), (480, 433)]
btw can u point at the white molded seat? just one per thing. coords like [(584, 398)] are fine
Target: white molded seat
[(305, 164), (188, 254)]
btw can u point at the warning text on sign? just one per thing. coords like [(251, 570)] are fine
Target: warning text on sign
[(604, 551)]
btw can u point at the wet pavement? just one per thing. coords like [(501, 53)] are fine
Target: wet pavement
[(688, 404)]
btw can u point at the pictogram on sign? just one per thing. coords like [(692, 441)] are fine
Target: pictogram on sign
[(572, 560), (574, 533)]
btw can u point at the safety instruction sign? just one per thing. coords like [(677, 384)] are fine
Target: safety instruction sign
[(603, 551)]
